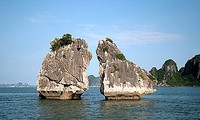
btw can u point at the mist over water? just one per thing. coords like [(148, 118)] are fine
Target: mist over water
[(166, 103)]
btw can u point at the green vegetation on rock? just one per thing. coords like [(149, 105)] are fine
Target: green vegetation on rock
[(115, 68), (105, 49), (141, 75), (120, 56), (151, 77), (110, 40), (66, 39), (186, 76)]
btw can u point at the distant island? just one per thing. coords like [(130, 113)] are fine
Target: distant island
[(94, 81), (18, 85), (169, 75)]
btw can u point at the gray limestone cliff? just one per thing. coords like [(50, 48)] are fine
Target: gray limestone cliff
[(63, 72), (120, 78)]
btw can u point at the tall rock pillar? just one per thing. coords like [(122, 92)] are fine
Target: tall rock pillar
[(63, 72), (120, 78)]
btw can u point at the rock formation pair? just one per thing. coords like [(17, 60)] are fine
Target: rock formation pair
[(63, 73)]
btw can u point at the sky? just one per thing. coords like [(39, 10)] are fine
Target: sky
[(148, 32)]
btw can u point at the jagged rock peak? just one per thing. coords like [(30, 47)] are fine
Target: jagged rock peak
[(109, 50), (170, 66), (153, 71), (63, 72), (192, 68), (167, 75), (120, 78)]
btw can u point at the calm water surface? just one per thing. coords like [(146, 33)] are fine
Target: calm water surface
[(167, 103)]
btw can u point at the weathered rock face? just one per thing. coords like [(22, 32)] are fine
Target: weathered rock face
[(120, 78), (192, 68), (63, 73), (170, 67)]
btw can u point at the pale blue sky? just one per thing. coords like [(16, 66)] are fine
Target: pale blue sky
[(148, 32)]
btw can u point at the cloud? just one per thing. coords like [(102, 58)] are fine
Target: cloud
[(43, 18), (129, 37), (145, 37), (87, 27)]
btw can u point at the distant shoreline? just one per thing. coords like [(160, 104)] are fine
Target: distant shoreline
[(18, 85)]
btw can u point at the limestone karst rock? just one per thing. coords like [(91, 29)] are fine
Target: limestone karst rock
[(170, 67), (94, 81), (168, 75), (120, 78), (192, 68), (63, 72)]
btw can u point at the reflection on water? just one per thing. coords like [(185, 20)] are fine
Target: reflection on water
[(127, 109), (61, 109), (166, 103), (89, 108)]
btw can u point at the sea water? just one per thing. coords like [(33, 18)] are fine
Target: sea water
[(167, 103)]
